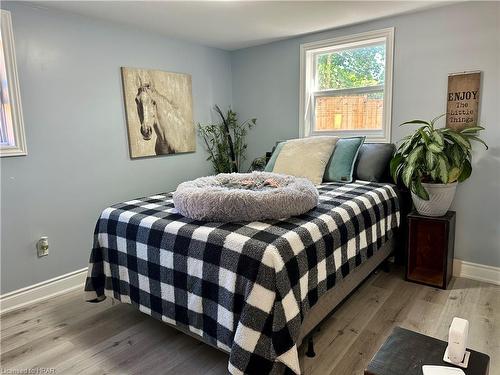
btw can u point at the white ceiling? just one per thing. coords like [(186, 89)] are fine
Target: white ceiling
[(237, 24)]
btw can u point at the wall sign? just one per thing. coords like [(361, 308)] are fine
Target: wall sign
[(463, 100)]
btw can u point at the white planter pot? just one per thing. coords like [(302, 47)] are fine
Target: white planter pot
[(440, 198)]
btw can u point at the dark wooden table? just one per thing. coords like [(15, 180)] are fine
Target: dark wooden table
[(430, 249), (406, 351)]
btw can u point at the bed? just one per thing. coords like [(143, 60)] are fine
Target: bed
[(251, 289)]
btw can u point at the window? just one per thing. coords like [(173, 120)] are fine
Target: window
[(345, 86), (12, 142)]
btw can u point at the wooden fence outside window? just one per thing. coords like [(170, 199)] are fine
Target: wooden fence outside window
[(348, 112)]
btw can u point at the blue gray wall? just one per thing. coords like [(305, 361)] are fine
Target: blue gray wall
[(78, 161), (428, 46)]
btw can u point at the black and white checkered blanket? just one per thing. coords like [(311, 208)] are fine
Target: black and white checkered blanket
[(242, 287)]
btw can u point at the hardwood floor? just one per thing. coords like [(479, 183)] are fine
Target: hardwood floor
[(75, 337)]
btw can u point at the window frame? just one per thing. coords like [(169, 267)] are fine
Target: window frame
[(19, 147), (308, 53)]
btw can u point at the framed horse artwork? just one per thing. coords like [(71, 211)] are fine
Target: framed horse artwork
[(159, 110)]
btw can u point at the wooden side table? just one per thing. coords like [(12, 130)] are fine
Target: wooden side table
[(405, 352), (431, 242)]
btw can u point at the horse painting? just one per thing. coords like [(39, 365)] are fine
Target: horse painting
[(159, 112)]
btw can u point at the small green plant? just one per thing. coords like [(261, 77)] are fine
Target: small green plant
[(259, 164), (225, 141), (434, 155)]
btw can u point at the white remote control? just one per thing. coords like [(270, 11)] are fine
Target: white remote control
[(441, 370)]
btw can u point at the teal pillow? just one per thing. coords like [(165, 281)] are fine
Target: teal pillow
[(270, 164), (341, 164)]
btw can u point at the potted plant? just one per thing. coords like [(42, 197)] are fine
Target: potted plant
[(225, 141), (431, 161)]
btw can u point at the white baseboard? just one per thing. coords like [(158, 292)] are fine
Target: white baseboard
[(76, 279), (46, 289), (475, 271)]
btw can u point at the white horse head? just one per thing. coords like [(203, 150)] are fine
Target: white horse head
[(146, 106)]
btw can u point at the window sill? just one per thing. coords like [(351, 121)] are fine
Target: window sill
[(370, 137)]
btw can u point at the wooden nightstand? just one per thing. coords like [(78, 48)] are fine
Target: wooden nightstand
[(431, 243)]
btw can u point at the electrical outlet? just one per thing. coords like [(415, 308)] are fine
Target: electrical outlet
[(42, 246)]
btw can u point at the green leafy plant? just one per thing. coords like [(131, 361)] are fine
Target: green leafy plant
[(225, 141), (433, 155), (258, 164), (351, 68)]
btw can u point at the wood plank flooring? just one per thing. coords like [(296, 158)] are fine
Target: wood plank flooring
[(71, 336)]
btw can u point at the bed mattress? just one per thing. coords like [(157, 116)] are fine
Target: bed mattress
[(242, 287)]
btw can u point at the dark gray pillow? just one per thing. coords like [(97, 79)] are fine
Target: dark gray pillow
[(373, 161)]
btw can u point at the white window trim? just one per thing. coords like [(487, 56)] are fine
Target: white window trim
[(19, 148), (306, 105)]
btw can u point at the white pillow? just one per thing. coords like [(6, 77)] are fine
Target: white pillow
[(306, 157)]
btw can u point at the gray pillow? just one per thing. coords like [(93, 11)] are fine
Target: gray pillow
[(373, 161)]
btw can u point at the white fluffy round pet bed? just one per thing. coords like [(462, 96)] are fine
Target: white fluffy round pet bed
[(245, 197)]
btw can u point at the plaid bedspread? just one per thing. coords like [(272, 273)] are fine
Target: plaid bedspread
[(243, 287)]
